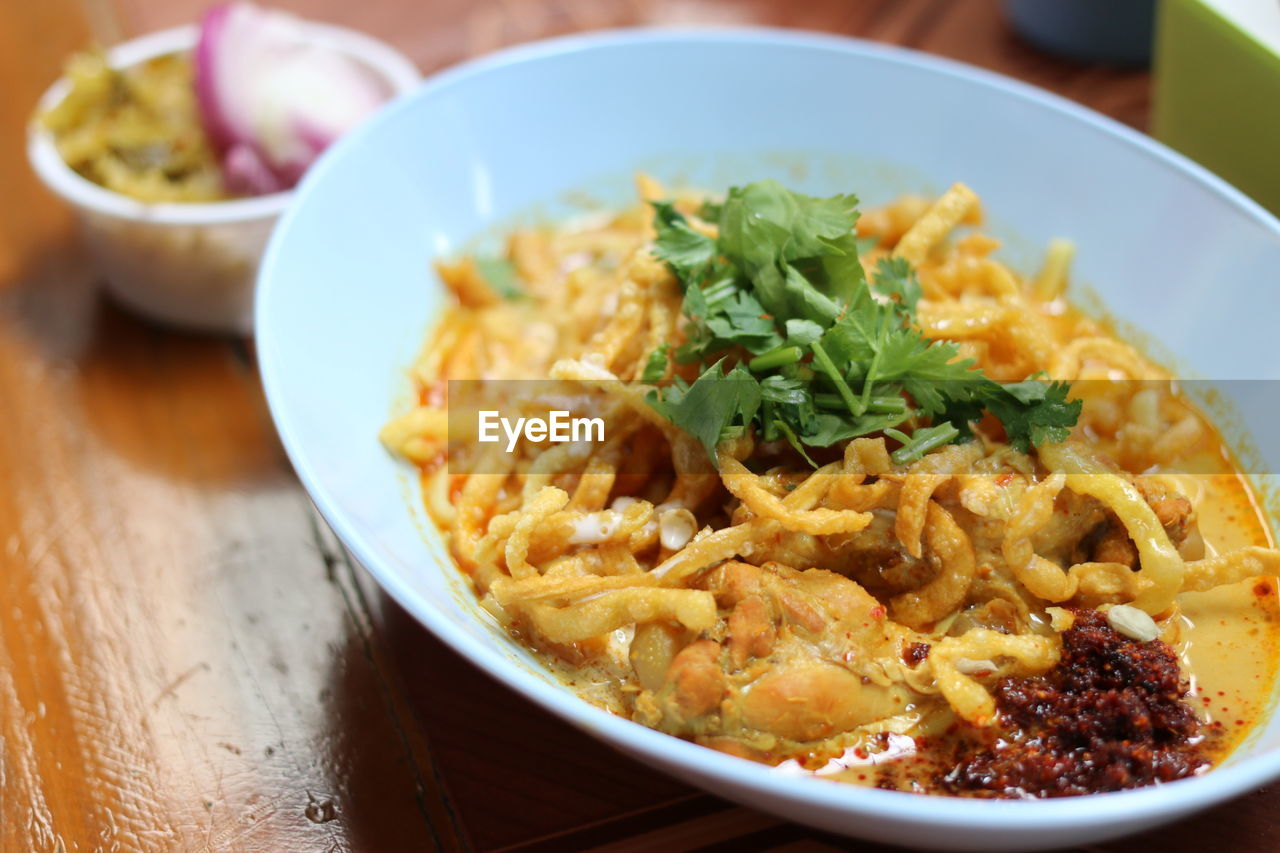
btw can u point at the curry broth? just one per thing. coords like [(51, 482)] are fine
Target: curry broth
[(1227, 640), (1224, 642)]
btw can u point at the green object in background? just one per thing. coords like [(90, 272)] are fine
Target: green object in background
[(1217, 89)]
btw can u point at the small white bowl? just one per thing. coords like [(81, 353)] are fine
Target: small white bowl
[(187, 264)]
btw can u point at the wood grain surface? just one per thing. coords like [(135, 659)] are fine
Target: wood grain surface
[(188, 659)]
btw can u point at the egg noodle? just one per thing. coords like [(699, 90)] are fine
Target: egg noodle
[(773, 609)]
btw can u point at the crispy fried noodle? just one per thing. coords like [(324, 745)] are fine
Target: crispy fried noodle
[(789, 545)]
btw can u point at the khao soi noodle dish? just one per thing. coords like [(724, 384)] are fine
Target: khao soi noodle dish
[(866, 503)]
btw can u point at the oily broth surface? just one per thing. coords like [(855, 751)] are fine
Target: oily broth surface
[(1227, 640)]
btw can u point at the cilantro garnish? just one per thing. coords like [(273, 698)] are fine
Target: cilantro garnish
[(500, 274), (655, 366), (820, 354), (716, 406)]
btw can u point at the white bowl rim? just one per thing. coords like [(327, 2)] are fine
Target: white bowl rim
[(1153, 803), (395, 69)]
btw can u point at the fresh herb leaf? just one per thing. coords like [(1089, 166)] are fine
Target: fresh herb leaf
[(833, 356), (1034, 412), (799, 252), (712, 406), (921, 441), (801, 332), (500, 275), (894, 278), (780, 389), (689, 253), (829, 428), (790, 435), (710, 211), (655, 367), (740, 320), (765, 222)]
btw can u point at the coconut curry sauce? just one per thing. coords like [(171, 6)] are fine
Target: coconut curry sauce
[(1023, 614), (1224, 643)]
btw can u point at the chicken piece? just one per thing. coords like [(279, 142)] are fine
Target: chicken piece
[(696, 680), (797, 610), (1114, 545), (803, 658), (875, 559), (1109, 541), (1074, 518), (818, 680), (732, 581), (1172, 509), (845, 608), (807, 700), (751, 631), (996, 614)]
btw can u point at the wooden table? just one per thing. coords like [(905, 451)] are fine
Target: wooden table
[(188, 659)]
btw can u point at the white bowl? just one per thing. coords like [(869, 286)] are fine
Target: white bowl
[(344, 302), (189, 264)]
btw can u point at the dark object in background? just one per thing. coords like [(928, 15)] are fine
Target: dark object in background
[(1110, 31)]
